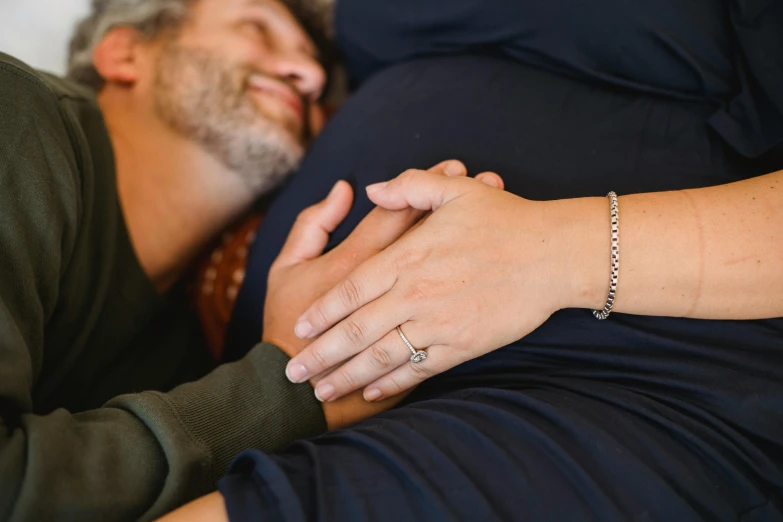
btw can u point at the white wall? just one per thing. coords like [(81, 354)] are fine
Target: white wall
[(38, 31)]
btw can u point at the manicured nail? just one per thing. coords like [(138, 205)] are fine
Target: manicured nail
[(376, 187), (296, 373), (371, 395), (303, 329), (453, 168), (324, 392)]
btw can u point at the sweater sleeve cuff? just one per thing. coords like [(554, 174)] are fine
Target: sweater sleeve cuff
[(248, 404), (240, 405)]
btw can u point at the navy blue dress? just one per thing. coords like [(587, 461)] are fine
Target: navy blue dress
[(634, 418)]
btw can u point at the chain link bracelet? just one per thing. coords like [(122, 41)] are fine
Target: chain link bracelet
[(615, 258)]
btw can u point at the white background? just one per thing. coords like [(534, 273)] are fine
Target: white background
[(38, 31)]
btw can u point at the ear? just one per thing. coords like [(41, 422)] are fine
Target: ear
[(116, 56)]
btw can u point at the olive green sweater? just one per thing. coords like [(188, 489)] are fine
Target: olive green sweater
[(95, 423)]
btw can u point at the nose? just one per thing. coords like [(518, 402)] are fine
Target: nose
[(302, 71)]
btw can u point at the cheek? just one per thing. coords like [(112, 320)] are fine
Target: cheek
[(234, 48)]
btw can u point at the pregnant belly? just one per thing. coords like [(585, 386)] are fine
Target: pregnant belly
[(549, 137)]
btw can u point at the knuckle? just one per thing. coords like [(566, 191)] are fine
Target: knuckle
[(350, 294), (410, 173), (318, 316), (409, 258), (319, 357), (380, 356), (415, 293), (347, 379), (423, 370), (420, 290), (395, 386), (354, 332), (306, 216)]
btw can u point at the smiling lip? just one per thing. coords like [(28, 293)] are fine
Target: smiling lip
[(282, 91)]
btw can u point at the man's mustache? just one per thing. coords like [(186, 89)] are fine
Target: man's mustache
[(307, 131)]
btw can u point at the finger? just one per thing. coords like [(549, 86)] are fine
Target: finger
[(450, 168), (418, 189), (389, 353), (375, 233), (350, 336), (366, 283), (491, 179), (382, 227), (439, 359), (310, 233)]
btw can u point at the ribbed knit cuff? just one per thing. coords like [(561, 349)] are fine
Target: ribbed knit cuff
[(201, 426), (248, 404)]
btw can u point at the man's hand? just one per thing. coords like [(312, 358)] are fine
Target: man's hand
[(301, 275)]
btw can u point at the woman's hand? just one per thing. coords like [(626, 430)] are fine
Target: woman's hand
[(485, 269), (301, 274)]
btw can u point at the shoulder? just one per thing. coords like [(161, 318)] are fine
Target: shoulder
[(17, 76), (43, 154), (36, 102), (50, 127)]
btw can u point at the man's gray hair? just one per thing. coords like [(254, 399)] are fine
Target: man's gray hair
[(151, 17)]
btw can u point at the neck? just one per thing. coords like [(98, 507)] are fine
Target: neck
[(175, 197)]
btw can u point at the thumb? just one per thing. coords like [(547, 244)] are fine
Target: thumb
[(382, 227), (492, 179), (451, 168), (417, 189), (310, 233)]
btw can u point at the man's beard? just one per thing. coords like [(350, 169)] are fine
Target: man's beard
[(207, 101)]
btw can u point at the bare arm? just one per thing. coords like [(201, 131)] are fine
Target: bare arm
[(711, 253), (210, 508), (501, 265)]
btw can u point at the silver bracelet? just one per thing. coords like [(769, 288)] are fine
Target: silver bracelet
[(615, 258)]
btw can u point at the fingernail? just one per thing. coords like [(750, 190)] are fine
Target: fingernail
[(303, 329), (296, 373), (324, 392), (371, 395), (453, 168), (377, 187)]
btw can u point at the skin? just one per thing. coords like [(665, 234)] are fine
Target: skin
[(728, 267), (302, 266), (302, 273), (176, 196), (712, 253)]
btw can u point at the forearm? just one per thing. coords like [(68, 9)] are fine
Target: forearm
[(201, 426), (210, 508), (711, 253), (144, 454)]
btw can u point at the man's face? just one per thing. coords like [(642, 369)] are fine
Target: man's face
[(241, 78)]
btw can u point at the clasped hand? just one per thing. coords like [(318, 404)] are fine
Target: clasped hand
[(482, 271), (302, 273)]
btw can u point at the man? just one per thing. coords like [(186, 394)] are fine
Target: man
[(201, 107), (633, 418)]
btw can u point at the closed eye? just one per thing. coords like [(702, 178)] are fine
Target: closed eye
[(260, 27)]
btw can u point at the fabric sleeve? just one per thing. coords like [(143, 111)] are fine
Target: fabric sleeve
[(140, 455)]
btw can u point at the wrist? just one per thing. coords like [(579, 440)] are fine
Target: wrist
[(285, 347), (582, 230)]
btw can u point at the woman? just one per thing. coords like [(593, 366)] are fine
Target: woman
[(670, 410)]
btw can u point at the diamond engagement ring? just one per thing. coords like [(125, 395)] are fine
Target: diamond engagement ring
[(418, 355)]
